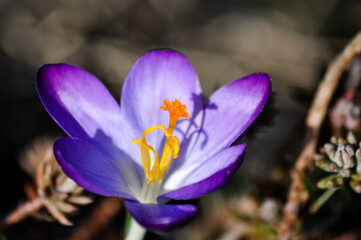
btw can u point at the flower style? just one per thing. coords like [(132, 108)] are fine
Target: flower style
[(115, 151)]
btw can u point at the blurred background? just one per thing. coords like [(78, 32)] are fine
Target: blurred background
[(291, 40)]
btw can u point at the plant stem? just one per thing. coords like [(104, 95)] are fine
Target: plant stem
[(136, 232)]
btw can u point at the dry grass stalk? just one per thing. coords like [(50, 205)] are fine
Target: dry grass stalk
[(23, 211), (315, 118), (99, 218)]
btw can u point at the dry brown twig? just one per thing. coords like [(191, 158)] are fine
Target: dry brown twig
[(315, 118), (23, 211), (98, 219)]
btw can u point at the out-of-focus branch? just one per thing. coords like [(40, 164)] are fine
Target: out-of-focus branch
[(328, 85), (21, 212), (99, 218), (314, 120)]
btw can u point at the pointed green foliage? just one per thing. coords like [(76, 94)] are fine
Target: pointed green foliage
[(322, 199)]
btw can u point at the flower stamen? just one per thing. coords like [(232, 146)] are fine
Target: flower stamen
[(157, 172)]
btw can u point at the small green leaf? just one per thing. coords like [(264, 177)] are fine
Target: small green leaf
[(326, 165), (344, 173), (330, 182), (356, 185), (356, 177)]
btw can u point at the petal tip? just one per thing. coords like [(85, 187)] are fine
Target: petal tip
[(164, 54), (46, 73), (261, 76)]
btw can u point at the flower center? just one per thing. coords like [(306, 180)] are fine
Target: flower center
[(157, 172)]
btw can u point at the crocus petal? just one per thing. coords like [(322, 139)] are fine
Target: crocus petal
[(207, 177), (91, 169), (82, 106), (159, 75), (229, 112), (159, 217)]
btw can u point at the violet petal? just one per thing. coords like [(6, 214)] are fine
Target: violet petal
[(82, 106), (92, 169), (159, 75), (159, 217), (207, 177), (229, 112)]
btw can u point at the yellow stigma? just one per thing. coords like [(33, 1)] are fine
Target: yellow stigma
[(176, 110), (156, 173)]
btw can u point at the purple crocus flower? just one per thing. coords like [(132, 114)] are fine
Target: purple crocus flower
[(139, 151)]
